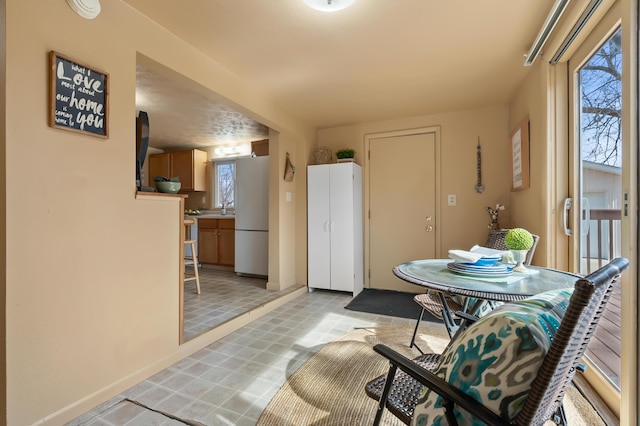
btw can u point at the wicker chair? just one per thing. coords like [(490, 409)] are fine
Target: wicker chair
[(400, 391), (443, 306)]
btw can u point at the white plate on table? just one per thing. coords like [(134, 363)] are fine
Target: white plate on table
[(478, 271)]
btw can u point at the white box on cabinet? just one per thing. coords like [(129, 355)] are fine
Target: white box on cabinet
[(334, 227)]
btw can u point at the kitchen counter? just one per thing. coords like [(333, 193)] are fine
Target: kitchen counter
[(210, 216)]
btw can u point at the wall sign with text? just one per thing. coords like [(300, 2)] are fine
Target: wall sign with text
[(520, 156), (79, 97)]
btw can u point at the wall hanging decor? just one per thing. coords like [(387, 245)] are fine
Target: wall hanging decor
[(289, 169), (520, 156), (479, 186), (79, 97)]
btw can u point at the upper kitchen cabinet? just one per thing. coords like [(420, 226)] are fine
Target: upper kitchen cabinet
[(260, 148), (190, 166)]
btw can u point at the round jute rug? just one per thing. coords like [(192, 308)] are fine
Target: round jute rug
[(329, 388)]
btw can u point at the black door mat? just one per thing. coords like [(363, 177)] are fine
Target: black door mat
[(388, 302)]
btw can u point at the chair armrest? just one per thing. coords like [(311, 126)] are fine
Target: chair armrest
[(470, 319), (450, 393)]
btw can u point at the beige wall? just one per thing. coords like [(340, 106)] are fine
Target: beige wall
[(531, 208), (91, 271), (464, 225), (282, 268)]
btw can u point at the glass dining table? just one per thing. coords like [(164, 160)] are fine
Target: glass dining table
[(482, 290), (433, 274)]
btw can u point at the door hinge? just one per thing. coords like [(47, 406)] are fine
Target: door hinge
[(369, 154), (369, 213)]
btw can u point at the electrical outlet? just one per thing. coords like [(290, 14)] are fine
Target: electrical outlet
[(451, 200)]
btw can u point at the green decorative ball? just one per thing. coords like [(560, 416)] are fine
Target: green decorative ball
[(518, 239)]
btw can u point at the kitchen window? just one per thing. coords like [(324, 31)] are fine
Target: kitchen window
[(224, 177)]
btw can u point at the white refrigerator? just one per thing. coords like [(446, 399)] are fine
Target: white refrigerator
[(252, 216)]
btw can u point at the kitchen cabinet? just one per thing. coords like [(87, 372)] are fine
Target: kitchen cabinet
[(334, 226), (216, 241), (189, 165), (260, 148)]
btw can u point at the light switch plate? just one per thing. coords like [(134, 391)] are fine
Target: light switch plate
[(451, 200), (287, 196)]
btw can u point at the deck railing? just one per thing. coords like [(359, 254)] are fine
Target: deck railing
[(602, 245), (604, 226)]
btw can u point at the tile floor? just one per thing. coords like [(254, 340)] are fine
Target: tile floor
[(232, 380), (223, 295)]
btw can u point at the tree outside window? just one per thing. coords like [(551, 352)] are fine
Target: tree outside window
[(601, 96), (224, 183)]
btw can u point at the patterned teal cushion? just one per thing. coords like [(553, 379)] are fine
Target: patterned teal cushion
[(495, 359)]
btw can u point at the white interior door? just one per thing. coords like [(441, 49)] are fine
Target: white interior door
[(402, 205)]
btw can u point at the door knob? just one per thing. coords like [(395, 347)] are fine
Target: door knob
[(428, 218), (428, 228)]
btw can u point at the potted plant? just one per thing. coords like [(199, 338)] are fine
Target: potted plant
[(345, 155), (519, 241)]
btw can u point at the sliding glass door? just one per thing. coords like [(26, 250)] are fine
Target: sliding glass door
[(596, 185)]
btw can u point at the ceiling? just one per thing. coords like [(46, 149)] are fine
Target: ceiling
[(181, 118), (373, 61)]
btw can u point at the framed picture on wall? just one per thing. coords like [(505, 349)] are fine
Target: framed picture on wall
[(79, 97), (520, 156)]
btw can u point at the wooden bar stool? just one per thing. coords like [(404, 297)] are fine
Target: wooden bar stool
[(193, 259)]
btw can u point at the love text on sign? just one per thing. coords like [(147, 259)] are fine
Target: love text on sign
[(79, 97)]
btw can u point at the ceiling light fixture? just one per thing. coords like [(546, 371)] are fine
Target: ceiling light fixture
[(88, 9), (329, 5), (548, 26), (227, 150)]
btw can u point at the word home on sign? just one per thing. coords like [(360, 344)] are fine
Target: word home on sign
[(79, 97)]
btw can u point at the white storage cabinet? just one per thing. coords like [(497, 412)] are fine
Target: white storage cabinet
[(334, 226)]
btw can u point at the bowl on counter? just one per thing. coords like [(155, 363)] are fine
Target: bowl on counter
[(168, 187)]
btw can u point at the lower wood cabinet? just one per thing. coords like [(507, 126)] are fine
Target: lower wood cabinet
[(216, 241)]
